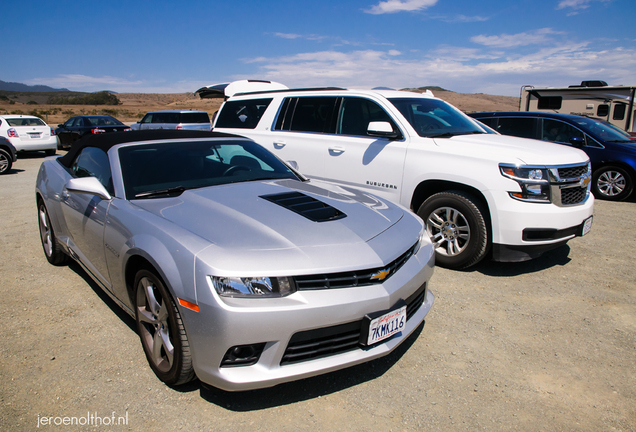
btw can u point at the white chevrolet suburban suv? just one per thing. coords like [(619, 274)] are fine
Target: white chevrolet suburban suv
[(479, 193)]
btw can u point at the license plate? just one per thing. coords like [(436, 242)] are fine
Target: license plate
[(385, 326), (35, 135), (587, 226)]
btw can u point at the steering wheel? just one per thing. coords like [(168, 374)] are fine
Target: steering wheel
[(234, 168)]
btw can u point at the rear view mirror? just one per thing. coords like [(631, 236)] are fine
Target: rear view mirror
[(577, 141)]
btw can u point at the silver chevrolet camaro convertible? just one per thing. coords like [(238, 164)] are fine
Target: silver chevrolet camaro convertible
[(237, 269)]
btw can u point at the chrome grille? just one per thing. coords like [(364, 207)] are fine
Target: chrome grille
[(353, 278), (570, 184), (572, 172)]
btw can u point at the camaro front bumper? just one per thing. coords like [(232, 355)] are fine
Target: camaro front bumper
[(223, 323)]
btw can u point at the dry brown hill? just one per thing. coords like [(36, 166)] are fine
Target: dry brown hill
[(135, 105)]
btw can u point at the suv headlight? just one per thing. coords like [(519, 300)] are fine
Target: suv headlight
[(253, 286), (534, 182)]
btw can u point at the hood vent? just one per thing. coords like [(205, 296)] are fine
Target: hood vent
[(306, 206)]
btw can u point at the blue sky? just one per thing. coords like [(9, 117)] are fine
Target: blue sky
[(467, 46)]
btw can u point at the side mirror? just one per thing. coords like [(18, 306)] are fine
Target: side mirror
[(60, 125), (382, 129), (293, 164), (88, 185), (577, 142)]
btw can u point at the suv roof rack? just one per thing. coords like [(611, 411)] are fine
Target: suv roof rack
[(308, 89)]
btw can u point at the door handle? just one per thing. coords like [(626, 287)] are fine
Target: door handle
[(279, 144), (336, 150)]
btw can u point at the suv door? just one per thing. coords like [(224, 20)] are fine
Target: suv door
[(357, 158)]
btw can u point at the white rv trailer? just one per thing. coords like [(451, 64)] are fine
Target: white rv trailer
[(614, 104)]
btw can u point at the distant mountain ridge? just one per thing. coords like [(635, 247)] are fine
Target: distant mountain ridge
[(19, 87)]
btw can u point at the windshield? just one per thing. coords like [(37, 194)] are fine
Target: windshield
[(435, 118), (169, 168), (607, 131)]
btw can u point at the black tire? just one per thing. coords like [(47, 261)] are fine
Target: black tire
[(612, 183), (5, 162), (161, 330), (52, 250), (457, 227), (50, 152)]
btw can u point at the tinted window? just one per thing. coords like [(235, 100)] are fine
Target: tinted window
[(357, 113), (550, 102), (558, 131), (602, 110), (195, 117), (313, 114), (524, 127), (103, 121), (619, 111), (243, 114), (93, 162), (489, 121)]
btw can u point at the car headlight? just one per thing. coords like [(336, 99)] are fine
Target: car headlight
[(253, 286), (534, 183)]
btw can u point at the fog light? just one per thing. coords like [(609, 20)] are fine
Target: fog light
[(243, 355)]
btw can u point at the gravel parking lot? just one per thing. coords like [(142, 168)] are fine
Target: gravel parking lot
[(548, 344)]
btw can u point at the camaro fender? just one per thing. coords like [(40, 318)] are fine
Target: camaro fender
[(171, 263)]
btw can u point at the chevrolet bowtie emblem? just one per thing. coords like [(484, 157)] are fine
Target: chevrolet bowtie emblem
[(381, 275)]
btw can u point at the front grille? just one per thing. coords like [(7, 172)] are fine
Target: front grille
[(572, 172), (572, 196), (570, 184), (328, 341), (354, 278)]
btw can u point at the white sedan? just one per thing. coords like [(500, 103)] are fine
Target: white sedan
[(28, 133)]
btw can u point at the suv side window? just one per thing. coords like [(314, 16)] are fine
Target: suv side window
[(308, 114), (523, 127), (195, 117), (147, 118), (242, 114), (558, 131), (94, 162), (356, 114)]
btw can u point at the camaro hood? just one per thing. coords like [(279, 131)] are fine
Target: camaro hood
[(236, 216), (509, 149)]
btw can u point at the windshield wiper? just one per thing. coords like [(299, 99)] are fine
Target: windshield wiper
[(175, 191), (452, 134)]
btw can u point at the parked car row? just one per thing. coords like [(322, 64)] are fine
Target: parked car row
[(203, 237)]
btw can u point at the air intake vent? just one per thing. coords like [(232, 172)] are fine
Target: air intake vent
[(306, 206)]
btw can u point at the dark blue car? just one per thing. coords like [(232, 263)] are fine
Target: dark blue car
[(611, 151)]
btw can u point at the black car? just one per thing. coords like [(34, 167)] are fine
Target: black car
[(76, 127), (611, 152), (7, 155)]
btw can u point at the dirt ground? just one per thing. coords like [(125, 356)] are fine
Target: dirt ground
[(545, 345)]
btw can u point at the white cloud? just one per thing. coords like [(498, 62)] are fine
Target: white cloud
[(393, 6), (85, 83), (464, 19), (576, 4), (536, 37), (458, 69), (287, 35)]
